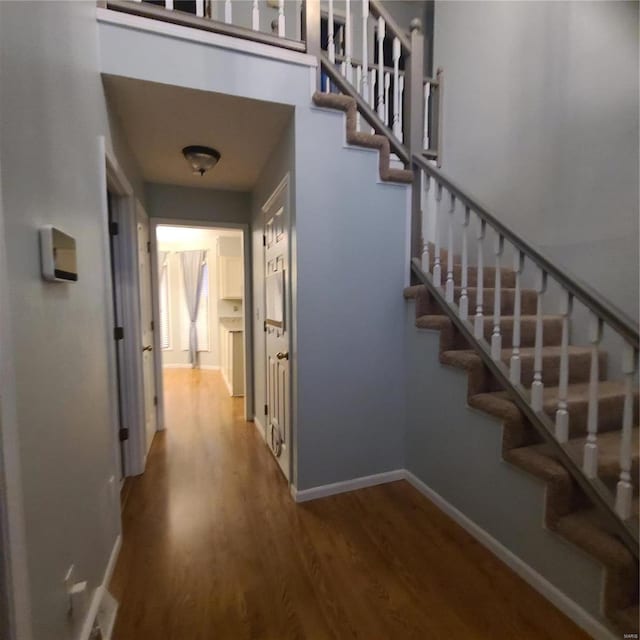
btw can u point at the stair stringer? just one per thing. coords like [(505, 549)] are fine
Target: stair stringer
[(456, 450)]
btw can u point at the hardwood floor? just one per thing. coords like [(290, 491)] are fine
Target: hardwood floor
[(214, 548)]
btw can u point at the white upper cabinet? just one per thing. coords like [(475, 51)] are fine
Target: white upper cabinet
[(231, 281)]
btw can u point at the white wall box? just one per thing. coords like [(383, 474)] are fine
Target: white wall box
[(57, 255)]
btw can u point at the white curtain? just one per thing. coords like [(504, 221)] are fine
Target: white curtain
[(192, 267)]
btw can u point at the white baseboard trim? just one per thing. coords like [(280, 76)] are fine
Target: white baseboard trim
[(325, 490), (99, 593), (571, 609), (260, 428)]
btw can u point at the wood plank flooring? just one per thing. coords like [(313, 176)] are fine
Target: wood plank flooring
[(214, 548)]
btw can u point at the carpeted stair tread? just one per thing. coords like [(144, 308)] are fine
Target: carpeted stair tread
[(610, 404), (579, 362), (608, 453), (362, 139), (411, 292)]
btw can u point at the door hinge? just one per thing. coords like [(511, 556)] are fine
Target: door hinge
[(264, 240), (118, 333), (149, 246), (152, 326), (266, 409), (123, 434), (264, 325), (114, 228), (155, 401)]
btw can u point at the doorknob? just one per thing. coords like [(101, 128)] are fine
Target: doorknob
[(282, 355), (147, 348)]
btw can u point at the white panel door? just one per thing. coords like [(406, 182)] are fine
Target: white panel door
[(276, 231), (146, 338)]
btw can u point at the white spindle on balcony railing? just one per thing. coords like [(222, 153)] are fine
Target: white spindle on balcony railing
[(396, 88), (478, 323), (168, 4), (437, 270), (228, 12), (496, 336), (348, 42), (200, 8), (537, 386), (515, 364), (424, 206), (281, 19), (562, 413), (463, 305), (590, 461), (365, 50), (624, 488), (427, 93), (255, 16), (449, 285), (382, 111)]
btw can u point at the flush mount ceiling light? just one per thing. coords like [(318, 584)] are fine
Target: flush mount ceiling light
[(201, 159)]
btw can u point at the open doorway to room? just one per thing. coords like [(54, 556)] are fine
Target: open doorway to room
[(201, 309)]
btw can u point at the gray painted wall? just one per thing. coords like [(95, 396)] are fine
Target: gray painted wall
[(351, 268), (186, 203), (541, 124), (456, 451), (276, 168), (52, 114)]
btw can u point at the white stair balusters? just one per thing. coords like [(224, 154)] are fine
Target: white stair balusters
[(281, 19), (624, 488), (437, 269), (590, 461), (396, 88), (200, 8), (331, 41), (515, 363), (387, 84), (255, 16), (562, 412), (228, 14), (372, 92), (537, 386), (401, 110), (168, 4), (382, 109), (449, 285), (347, 42), (364, 89), (496, 336), (424, 199), (478, 323), (427, 93), (463, 304), (358, 85)]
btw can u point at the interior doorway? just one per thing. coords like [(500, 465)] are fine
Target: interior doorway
[(200, 286)]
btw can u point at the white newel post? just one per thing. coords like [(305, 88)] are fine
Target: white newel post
[(515, 364), (478, 323), (496, 336), (590, 461), (450, 285), (463, 306), (624, 488), (562, 413), (437, 270), (537, 387)]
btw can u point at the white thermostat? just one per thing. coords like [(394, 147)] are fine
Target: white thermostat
[(58, 255)]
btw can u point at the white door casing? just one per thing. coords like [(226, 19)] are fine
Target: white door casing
[(146, 336), (276, 274)]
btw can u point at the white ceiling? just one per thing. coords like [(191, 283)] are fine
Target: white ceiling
[(159, 120)]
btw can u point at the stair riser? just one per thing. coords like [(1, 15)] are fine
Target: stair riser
[(507, 277), (551, 334)]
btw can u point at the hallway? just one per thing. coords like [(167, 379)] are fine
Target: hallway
[(214, 547)]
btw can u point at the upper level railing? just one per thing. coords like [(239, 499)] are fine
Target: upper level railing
[(366, 55)]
